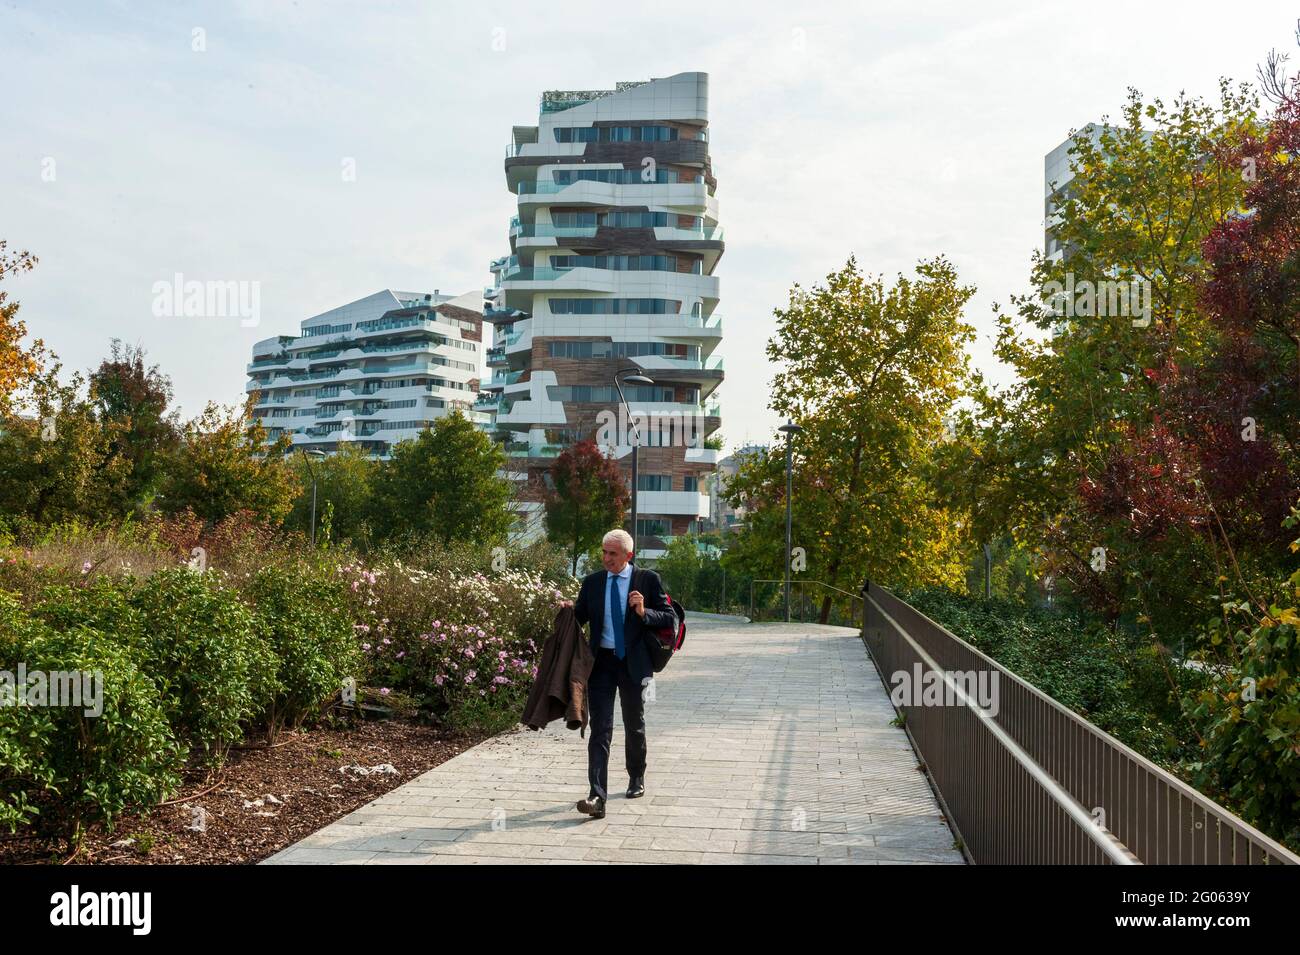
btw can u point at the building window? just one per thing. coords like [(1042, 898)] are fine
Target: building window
[(654, 482), (566, 349), (613, 306), (615, 134), (627, 263), (690, 484), (653, 527), (606, 394)]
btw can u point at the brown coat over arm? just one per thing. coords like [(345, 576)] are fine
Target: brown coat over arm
[(560, 689)]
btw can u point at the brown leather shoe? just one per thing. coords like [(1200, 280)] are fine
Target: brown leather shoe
[(593, 806)]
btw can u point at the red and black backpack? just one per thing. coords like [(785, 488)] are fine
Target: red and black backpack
[(667, 640)]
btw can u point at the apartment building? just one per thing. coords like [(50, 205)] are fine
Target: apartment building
[(611, 272), (372, 373)]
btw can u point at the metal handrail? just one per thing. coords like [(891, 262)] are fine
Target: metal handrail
[(800, 583), (1016, 784)]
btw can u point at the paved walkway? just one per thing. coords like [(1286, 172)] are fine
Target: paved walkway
[(768, 743)]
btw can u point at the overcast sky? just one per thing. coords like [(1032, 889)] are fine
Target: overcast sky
[(893, 131)]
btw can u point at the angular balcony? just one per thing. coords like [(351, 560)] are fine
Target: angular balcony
[(499, 381), (677, 503), (499, 315), (680, 195)]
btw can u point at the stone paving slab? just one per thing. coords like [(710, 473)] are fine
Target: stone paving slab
[(769, 744)]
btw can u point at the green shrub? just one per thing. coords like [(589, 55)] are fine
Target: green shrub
[(1249, 711), (1120, 683), (304, 618), (91, 761), (102, 604), (204, 653)]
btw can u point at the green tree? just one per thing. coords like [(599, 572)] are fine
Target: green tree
[(131, 402), (53, 461), (223, 465), (445, 484), (19, 365), (344, 489), (870, 373), (1144, 196), (589, 497), (680, 568)]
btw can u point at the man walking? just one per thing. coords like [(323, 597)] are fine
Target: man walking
[(622, 604)]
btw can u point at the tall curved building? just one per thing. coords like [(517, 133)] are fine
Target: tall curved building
[(611, 271)]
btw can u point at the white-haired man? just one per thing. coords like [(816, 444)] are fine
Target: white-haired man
[(621, 603)]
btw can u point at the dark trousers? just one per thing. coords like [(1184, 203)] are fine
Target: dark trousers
[(608, 675)]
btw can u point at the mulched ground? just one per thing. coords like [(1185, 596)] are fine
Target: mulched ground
[(264, 799)]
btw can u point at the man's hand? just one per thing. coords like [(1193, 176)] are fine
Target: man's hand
[(566, 603), (636, 602)]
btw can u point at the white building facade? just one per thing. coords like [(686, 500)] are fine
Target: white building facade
[(611, 272), (371, 373)]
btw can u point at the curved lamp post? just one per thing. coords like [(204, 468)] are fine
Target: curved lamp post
[(307, 456), (636, 378), (790, 429)]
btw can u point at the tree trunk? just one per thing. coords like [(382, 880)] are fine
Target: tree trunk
[(834, 568), (577, 529)]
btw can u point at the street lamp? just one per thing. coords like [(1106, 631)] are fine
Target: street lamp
[(307, 456), (635, 378), (790, 429)]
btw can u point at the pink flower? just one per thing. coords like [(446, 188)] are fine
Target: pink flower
[(365, 646), (439, 679), (384, 691)]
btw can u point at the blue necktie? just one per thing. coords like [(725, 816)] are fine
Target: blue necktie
[(616, 615)]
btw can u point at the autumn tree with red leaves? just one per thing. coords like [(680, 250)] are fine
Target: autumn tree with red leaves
[(589, 497)]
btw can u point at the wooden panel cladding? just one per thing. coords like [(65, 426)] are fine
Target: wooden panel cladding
[(465, 315), (610, 239)]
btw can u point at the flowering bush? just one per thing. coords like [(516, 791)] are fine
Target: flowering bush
[(466, 647), (199, 659)]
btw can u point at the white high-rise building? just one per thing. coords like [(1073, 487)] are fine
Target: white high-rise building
[(373, 372), (611, 272)]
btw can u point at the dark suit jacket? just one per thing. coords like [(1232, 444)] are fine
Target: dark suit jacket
[(589, 608)]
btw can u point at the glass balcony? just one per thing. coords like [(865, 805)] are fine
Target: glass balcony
[(549, 188), (523, 274), (500, 381), (556, 231)]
